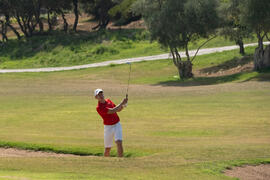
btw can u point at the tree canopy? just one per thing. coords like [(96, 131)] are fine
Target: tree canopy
[(256, 15), (233, 29), (174, 24)]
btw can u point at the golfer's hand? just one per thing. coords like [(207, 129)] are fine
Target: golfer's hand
[(124, 101)]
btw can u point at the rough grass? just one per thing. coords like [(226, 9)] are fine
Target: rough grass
[(58, 49), (171, 131), (73, 49)]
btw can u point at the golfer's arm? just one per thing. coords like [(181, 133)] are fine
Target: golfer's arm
[(122, 107), (117, 108)]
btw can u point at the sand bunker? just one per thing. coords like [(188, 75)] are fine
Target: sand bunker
[(11, 152), (261, 172)]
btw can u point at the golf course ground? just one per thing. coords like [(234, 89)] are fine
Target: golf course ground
[(172, 129)]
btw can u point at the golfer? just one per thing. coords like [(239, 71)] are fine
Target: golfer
[(112, 127)]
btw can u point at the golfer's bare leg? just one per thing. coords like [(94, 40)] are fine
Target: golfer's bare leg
[(107, 152), (119, 148)]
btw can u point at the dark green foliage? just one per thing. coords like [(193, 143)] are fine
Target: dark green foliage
[(122, 12), (28, 14), (103, 49), (100, 10), (174, 24), (256, 15), (232, 28)]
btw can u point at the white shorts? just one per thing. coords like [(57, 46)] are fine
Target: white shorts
[(110, 131)]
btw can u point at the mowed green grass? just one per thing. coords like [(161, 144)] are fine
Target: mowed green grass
[(172, 129)]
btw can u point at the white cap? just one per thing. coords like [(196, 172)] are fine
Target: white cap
[(97, 91)]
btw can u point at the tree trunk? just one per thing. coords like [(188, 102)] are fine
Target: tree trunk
[(4, 31), (104, 23), (49, 20), (14, 30), (184, 67), (260, 62), (11, 27), (76, 12), (37, 15), (41, 26), (96, 27), (23, 29), (65, 21), (185, 70), (258, 59), (266, 57), (101, 25), (30, 27), (260, 42), (240, 43)]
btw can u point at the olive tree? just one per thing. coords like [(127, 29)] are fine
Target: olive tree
[(27, 14), (76, 13), (256, 15), (174, 24), (233, 29)]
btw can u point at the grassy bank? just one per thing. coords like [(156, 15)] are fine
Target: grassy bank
[(60, 49)]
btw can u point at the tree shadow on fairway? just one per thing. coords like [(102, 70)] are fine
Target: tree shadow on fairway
[(201, 81), (234, 70), (233, 63), (264, 76)]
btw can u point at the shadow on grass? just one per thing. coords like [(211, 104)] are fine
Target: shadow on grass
[(264, 76), (200, 81), (18, 49), (235, 62), (79, 151)]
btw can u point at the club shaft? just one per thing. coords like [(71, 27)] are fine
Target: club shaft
[(128, 80)]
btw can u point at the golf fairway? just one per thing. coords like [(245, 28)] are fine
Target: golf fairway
[(170, 131)]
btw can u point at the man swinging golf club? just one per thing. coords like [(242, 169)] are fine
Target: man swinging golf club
[(112, 127)]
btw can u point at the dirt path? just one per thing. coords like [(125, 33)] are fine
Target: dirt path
[(123, 61), (261, 172)]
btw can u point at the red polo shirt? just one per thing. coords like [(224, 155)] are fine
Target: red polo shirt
[(103, 108)]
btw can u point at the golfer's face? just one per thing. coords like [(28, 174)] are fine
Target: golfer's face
[(100, 95)]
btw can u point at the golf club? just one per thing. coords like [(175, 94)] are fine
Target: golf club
[(128, 80)]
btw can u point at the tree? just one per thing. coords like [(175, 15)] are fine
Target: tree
[(25, 12), (232, 28), (37, 4), (99, 9), (122, 12), (59, 7), (6, 12), (3, 29), (76, 12), (174, 24), (256, 15)]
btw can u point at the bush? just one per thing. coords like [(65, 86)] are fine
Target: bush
[(103, 49)]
